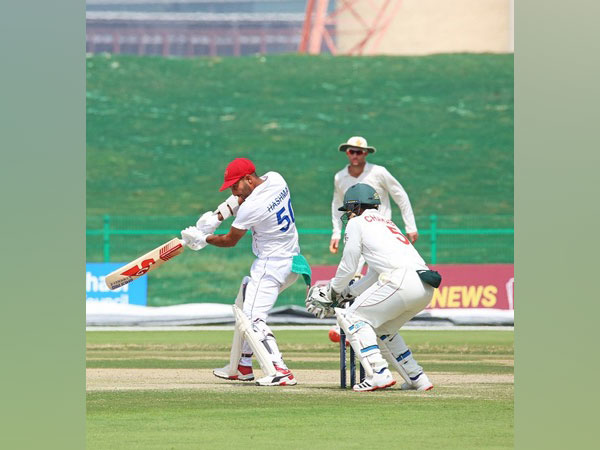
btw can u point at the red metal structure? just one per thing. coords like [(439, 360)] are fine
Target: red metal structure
[(320, 25)]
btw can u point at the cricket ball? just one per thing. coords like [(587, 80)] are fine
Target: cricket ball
[(334, 335)]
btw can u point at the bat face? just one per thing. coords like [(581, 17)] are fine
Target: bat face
[(137, 271), (144, 264)]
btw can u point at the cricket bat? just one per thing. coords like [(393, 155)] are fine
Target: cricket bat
[(144, 264)]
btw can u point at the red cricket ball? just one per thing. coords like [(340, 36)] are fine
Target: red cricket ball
[(334, 335)]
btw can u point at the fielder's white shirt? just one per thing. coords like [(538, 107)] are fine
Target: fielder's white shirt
[(268, 213), (384, 183), (383, 246)]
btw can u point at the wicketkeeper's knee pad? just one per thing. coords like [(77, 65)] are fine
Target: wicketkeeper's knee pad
[(400, 357), (363, 340)]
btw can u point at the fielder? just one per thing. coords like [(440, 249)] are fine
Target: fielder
[(360, 171), (263, 205), (397, 286)]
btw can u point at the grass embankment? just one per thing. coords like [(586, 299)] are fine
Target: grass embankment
[(160, 132)]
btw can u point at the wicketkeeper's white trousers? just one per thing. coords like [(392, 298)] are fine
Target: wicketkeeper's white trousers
[(386, 306)]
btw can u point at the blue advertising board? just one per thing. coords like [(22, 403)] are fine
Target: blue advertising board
[(134, 293)]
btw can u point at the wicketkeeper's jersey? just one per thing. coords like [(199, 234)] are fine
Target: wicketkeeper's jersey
[(380, 242)]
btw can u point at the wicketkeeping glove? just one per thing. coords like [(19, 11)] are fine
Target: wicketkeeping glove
[(319, 303), (346, 296)]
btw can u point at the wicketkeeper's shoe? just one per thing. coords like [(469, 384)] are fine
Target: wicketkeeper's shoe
[(244, 373), (421, 383), (283, 377), (380, 380)]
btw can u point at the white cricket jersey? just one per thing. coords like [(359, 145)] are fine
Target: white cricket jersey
[(381, 243), (268, 213), (384, 183)]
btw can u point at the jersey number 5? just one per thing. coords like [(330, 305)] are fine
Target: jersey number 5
[(283, 217), (398, 234)]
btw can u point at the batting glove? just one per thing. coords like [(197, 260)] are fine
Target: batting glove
[(208, 222), (194, 238)]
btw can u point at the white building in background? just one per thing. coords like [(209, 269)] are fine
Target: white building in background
[(422, 27)]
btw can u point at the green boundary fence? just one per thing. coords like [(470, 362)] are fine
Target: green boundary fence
[(214, 274), (434, 232)]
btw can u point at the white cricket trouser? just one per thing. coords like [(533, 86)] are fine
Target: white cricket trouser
[(386, 307), (268, 277)]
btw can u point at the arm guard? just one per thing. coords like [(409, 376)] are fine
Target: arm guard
[(229, 207)]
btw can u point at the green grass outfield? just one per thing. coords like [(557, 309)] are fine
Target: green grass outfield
[(155, 390)]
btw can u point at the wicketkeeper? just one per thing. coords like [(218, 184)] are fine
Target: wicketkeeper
[(397, 286), (261, 204)]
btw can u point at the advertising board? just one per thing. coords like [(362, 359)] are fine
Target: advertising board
[(485, 286), (134, 293)]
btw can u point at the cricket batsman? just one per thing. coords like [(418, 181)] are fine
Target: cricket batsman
[(264, 205), (397, 286)]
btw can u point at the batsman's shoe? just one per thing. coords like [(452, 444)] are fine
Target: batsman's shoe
[(380, 380), (244, 373), (283, 377), (421, 383)]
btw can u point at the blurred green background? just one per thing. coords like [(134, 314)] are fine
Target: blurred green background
[(161, 131)]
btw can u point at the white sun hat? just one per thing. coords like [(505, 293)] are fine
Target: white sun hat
[(358, 142)]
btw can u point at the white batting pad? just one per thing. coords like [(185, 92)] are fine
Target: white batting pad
[(245, 327), (236, 345)]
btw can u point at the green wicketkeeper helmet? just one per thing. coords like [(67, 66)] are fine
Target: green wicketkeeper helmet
[(360, 194)]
